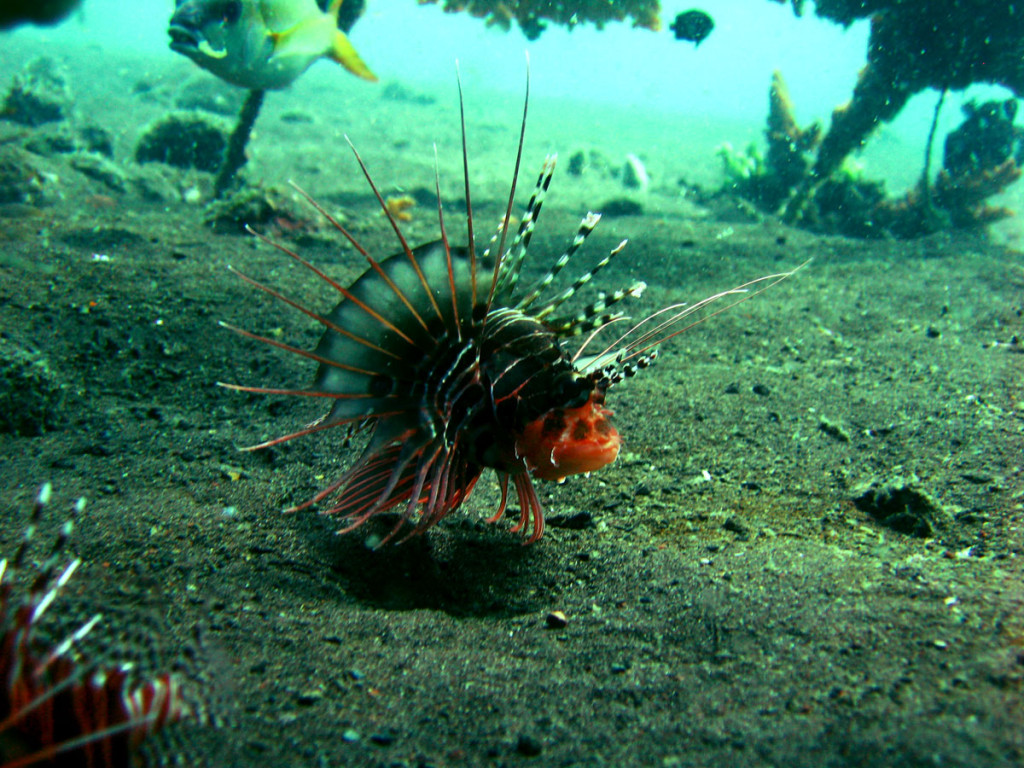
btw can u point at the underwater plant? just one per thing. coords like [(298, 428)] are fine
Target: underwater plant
[(942, 44), (981, 159), (449, 366), (58, 707)]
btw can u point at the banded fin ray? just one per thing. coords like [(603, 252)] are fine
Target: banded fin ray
[(516, 253)]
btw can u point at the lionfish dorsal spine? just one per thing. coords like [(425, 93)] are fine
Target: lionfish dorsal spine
[(514, 258), (410, 255), (500, 254), (75, 638), (587, 226), (595, 315), (326, 322), (457, 318)]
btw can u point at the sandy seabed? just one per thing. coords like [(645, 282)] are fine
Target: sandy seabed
[(728, 600)]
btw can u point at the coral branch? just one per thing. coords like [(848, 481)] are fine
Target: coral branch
[(530, 14), (944, 44)]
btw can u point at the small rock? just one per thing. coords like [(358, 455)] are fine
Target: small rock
[(101, 169), (620, 206), (556, 620), (310, 697), (52, 139), (253, 206), (30, 393), (93, 138), (634, 174), (733, 525), (574, 522), (901, 506), (39, 94), (21, 179), (834, 430), (527, 746), (577, 160), (184, 140)]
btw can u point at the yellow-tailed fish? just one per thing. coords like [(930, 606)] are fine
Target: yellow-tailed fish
[(261, 44)]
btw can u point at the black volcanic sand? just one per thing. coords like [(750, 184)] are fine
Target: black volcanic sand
[(736, 593)]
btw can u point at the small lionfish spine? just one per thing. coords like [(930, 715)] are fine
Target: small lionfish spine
[(516, 254), (587, 226), (57, 707)]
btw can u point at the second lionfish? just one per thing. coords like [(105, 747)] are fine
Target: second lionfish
[(452, 367)]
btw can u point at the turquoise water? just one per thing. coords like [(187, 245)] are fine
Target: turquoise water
[(641, 72), (731, 591)]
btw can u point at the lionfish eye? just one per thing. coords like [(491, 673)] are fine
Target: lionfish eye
[(574, 392)]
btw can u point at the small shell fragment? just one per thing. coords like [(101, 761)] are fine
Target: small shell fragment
[(634, 174)]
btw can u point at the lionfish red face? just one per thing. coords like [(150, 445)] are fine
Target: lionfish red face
[(452, 367), (58, 708)]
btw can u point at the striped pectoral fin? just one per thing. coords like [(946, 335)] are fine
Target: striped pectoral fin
[(420, 289), (390, 472)]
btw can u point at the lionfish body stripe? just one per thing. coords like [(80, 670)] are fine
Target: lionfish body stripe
[(452, 367)]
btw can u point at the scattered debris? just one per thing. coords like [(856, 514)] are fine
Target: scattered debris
[(261, 207), (400, 207)]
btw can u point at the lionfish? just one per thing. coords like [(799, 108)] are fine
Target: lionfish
[(58, 708), (451, 366)]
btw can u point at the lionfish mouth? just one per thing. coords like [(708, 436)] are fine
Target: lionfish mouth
[(450, 366)]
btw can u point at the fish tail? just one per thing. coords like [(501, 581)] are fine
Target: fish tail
[(345, 54)]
